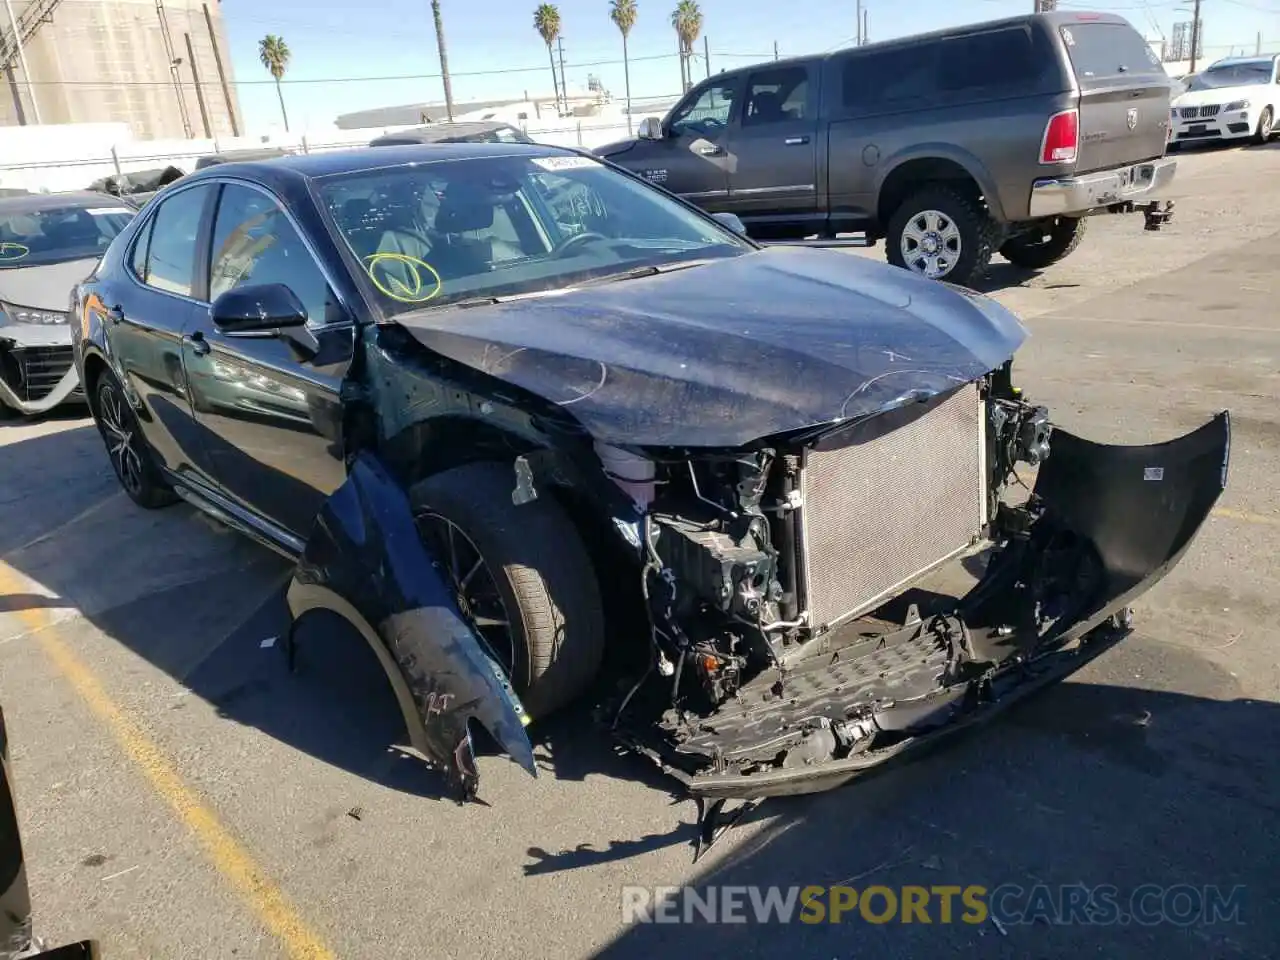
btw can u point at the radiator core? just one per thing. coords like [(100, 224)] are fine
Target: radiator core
[(881, 507)]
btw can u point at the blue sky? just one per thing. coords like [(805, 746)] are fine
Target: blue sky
[(333, 42)]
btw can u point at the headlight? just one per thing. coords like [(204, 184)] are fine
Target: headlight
[(11, 313), (1237, 105)]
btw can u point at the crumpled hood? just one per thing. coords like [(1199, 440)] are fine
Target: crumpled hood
[(46, 287), (732, 351)]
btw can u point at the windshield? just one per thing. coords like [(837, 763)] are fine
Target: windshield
[(430, 234), (1233, 75), (36, 238)]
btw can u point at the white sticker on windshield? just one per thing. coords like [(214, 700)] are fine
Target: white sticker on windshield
[(104, 211), (564, 163)]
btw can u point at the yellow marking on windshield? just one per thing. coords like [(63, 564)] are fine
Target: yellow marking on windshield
[(410, 289), (9, 250)]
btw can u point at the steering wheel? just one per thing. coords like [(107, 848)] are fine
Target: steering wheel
[(576, 241)]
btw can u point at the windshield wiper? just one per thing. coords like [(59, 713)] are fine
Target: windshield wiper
[(651, 270)]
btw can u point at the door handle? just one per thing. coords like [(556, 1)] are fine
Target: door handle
[(795, 141), (710, 151), (199, 345)]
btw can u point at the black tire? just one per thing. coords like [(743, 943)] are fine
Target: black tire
[(977, 231), (1173, 146), (1035, 251), (1266, 122), (134, 465), (542, 573)]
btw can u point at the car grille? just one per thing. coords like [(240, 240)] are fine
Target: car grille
[(879, 511), (1193, 113), (32, 372)]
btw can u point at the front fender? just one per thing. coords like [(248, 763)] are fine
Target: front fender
[(365, 562)]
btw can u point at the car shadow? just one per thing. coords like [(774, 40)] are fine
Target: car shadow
[(1087, 783), (207, 606)]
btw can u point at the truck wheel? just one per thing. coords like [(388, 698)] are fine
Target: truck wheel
[(522, 579), (941, 233), (1265, 123), (1040, 248)]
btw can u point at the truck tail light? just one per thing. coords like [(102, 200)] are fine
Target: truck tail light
[(1061, 141)]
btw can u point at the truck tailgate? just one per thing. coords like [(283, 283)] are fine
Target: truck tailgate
[(1122, 124)]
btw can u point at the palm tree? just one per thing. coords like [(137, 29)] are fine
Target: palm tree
[(444, 58), (623, 15), (546, 20), (274, 54), (687, 20)]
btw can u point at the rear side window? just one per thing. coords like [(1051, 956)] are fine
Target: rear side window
[(996, 58), (175, 230), (776, 95), (1101, 50), (896, 77)]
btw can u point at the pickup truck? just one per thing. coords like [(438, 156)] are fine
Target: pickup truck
[(1000, 136)]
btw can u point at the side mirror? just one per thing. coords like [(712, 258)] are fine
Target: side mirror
[(651, 129), (258, 310), (732, 221)]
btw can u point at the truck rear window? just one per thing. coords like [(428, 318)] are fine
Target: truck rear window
[(1100, 50)]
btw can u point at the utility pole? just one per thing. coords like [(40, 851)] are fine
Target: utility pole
[(706, 51), (195, 79), (222, 77), (1257, 49), (22, 59), (775, 49), (1195, 35), (866, 37), (174, 62), (564, 90), (859, 35), (444, 58)]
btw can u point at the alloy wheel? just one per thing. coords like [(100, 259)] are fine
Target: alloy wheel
[(931, 244), (119, 429), (475, 589)]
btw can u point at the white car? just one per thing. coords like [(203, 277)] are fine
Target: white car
[(1233, 99)]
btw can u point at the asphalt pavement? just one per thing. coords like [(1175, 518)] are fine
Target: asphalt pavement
[(182, 795)]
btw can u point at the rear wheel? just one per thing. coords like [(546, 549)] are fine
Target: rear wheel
[(1044, 246), (521, 576), (1266, 123), (942, 233), (131, 458)]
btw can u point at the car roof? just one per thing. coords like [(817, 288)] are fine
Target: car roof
[(57, 201), (332, 163), (1235, 61)]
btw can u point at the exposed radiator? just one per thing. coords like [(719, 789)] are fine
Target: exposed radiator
[(883, 506)]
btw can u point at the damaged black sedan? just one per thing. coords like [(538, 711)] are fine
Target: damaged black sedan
[(536, 427)]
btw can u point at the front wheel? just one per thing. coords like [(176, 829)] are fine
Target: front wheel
[(521, 577), (1266, 122), (131, 458), (941, 233), (1045, 245)]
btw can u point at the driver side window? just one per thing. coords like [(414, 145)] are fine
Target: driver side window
[(707, 113)]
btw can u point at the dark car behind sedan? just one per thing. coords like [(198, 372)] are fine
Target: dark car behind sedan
[(48, 244)]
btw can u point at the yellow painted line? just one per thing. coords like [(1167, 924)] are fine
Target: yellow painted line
[(267, 901), (1246, 516)]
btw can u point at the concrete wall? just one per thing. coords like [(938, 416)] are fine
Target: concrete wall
[(106, 61)]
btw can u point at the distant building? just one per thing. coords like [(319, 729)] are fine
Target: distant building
[(127, 61)]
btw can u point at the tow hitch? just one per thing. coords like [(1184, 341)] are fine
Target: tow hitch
[(1155, 213)]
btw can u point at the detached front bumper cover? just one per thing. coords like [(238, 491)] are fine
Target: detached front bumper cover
[(1133, 511)]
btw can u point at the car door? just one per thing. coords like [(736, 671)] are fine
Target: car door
[(268, 406), (774, 144), (692, 159), (148, 308)]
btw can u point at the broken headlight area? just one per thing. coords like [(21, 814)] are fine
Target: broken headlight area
[(820, 605)]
